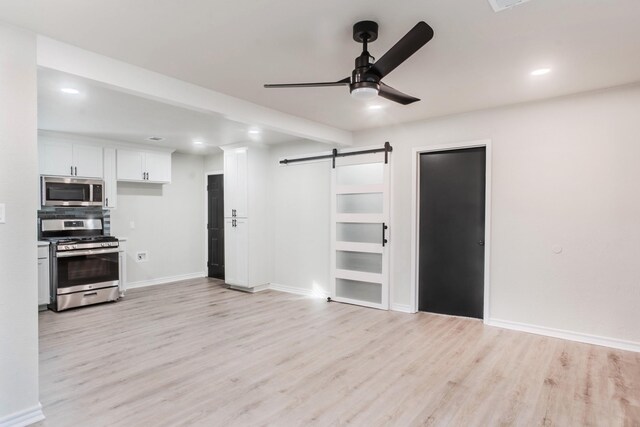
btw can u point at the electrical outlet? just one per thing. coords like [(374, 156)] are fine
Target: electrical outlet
[(2, 213), (132, 225), (142, 257)]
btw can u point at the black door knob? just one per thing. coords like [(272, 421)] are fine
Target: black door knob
[(481, 242)]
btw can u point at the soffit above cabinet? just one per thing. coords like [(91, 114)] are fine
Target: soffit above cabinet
[(103, 113)]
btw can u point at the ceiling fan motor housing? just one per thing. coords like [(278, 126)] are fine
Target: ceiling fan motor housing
[(361, 81)]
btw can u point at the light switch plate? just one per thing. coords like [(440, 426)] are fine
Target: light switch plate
[(3, 212)]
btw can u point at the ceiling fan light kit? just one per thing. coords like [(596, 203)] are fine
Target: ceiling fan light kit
[(364, 90), (366, 79)]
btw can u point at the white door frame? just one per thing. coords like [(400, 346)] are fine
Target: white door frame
[(415, 216), (206, 209)]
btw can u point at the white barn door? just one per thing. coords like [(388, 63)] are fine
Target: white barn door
[(359, 230)]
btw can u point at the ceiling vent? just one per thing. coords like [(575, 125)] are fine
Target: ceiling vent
[(499, 5)]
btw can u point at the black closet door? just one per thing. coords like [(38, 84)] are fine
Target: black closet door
[(451, 234), (215, 226)]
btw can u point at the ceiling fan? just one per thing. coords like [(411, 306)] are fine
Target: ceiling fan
[(365, 81)]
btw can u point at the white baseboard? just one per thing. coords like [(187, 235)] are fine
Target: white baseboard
[(299, 291), (163, 280), (250, 290), (567, 335), (23, 418), (404, 308)]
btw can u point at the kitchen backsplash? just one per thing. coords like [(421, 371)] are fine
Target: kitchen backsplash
[(51, 212)]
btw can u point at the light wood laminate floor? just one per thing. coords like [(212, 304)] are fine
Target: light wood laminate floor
[(196, 353)]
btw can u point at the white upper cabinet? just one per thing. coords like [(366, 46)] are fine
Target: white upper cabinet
[(236, 182), (130, 165), (69, 159), (56, 158), (158, 166), (144, 166), (87, 160)]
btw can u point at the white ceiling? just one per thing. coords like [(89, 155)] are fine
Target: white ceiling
[(101, 112), (477, 59)]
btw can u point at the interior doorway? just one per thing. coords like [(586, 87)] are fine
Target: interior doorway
[(451, 230), (215, 226)]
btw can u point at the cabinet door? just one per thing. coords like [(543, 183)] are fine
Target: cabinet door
[(242, 251), (129, 165), (241, 188), (56, 158), (87, 161), (158, 167), (229, 183), (110, 181), (230, 275), (43, 281)]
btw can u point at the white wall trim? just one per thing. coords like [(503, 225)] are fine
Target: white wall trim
[(567, 335), (415, 215), (403, 308), (163, 280), (23, 418), (298, 291)]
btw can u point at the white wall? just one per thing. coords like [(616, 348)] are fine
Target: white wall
[(18, 253), (565, 172), (168, 220), (300, 211), (214, 162)]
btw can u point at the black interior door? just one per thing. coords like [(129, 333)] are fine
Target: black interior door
[(215, 226), (451, 234)]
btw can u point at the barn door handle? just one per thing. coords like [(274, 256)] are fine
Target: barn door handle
[(384, 239)]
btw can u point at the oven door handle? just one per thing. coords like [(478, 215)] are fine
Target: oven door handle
[(87, 252)]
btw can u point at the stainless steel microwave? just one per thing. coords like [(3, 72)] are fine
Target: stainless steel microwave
[(59, 191)]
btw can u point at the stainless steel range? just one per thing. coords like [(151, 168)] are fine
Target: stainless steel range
[(84, 263)]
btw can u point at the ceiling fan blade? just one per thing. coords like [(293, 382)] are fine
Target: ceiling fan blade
[(343, 82), (417, 37), (392, 94)]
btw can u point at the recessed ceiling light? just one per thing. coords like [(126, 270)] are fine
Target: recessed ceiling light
[(70, 90), (375, 107), (198, 142), (155, 138), (254, 131), (541, 71)]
